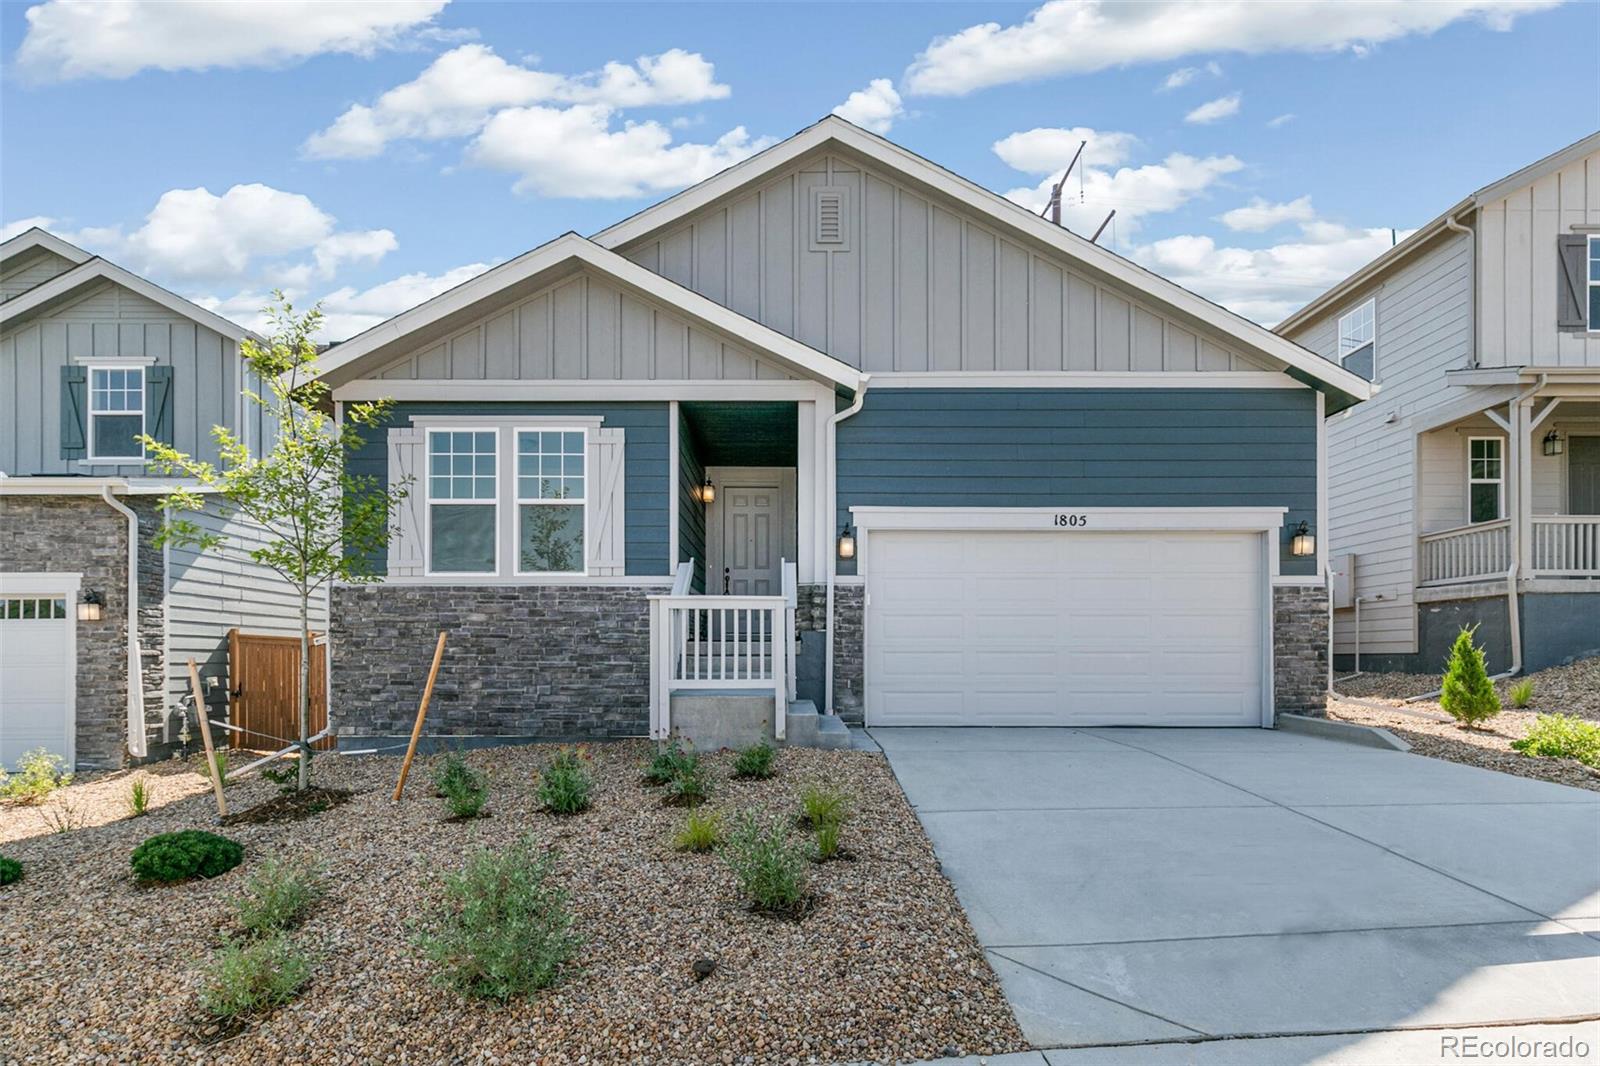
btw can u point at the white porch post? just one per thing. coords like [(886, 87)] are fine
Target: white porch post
[(1521, 459)]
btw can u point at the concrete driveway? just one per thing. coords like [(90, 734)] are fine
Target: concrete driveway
[(1166, 885)]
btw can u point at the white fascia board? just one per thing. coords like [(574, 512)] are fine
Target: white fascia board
[(50, 485), (571, 247), (491, 389), (35, 237), (39, 584), (98, 269), (1000, 211), (1094, 519), (1087, 379)]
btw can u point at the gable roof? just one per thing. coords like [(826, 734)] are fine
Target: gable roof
[(835, 132), (34, 237), (568, 252), (1403, 251)]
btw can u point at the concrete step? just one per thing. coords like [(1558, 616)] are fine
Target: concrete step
[(806, 728)]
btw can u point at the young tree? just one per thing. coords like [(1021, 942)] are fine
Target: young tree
[(1468, 694), (317, 521)]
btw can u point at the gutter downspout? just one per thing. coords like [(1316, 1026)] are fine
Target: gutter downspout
[(136, 739), (832, 478), (1451, 224)]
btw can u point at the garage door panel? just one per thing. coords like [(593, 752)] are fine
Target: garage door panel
[(35, 686)]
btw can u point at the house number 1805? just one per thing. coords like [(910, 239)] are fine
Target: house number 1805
[(1072, 520)]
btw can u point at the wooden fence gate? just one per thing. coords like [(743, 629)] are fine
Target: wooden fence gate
[(264, 678)]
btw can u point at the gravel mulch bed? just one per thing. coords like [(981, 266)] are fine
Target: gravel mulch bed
[(98, 969), (1572, 689)]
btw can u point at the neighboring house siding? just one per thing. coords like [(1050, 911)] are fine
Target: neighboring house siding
[(1423, 329), (582, 328), (646, 466), (1084, 448), (916, 285), (31, 270), (691, 510), (111, 321), (1517, 277)]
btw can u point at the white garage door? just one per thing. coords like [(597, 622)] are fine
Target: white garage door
[(35, 686), (1004, 628)]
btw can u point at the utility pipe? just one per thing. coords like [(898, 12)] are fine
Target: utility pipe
[(136, 739), (831, 478)]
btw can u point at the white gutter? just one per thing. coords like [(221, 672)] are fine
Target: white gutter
[(1452, 225), (832, 478), (136, 740)]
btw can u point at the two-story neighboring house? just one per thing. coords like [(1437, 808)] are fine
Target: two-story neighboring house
[(1467, 490), (97, 621)]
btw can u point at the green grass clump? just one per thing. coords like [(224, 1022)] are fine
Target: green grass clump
[(139, 793), (827, 838), (821, 805), (278, 895), (10, 870), (769, 866), (701, 832), (1562, 736), (169, 857), (564, 786), (1521, 694), (253, 976), (755, 763)]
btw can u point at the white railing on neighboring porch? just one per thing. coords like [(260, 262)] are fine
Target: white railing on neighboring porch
[(1465, 553), (721, 642), (1566, 545)]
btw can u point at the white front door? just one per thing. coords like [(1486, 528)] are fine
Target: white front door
[(36, 669), (1034, 628)]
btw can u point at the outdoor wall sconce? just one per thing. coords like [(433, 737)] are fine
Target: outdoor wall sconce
[(847, 544), (1554, 444), (708, 492), (93, 607), (1303, 543)]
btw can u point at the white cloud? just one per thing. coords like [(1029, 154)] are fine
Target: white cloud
[(1259, 214), (1215, 110), (1184, 75), (1083, 36), (1134, 192), (119, 38), (346, 310), (456, 95), (23, 225), (1281, 120), (575, 152), (875, 108)]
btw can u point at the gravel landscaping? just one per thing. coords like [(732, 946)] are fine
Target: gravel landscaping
[(1572, 689), (884, 968)]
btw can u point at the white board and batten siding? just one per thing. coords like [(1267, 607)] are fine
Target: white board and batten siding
[(30, 270), (1424, 327), (911, 283)]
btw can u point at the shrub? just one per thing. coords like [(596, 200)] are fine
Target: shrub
[(10, 870), (503, 929), (820, 806), (1468, 694), (754, 762), (64, 816), (1522, 693), (564, 786), (453, 769), (187, 853), (245, 978), (278, 895), (770, 868), (462, 787), (827, 841), (1562, 736), (139, 793), (701, 831), (39, 773), (668, 763), (690, 787), (222, 768)]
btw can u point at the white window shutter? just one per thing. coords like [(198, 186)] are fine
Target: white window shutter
[(408, 463), (606, 503)]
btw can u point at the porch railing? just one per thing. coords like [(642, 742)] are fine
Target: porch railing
[(1566, 545), (734, 643), (1465, 553)]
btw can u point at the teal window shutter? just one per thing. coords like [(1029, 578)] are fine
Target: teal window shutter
[(158, 403), (74, 411)]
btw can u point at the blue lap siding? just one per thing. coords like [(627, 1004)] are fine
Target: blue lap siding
[(1084, 448), (645, 446)]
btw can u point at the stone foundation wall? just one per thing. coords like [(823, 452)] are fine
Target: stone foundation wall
[(545, 661), (811, 616), (1300, 648)]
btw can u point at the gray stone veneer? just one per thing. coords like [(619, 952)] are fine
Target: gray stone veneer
[(548, 661), (1300, 649), (811, 616)]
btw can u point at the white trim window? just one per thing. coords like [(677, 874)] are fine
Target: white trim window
[(1594, 283), (1486, 479), (463, 501), (551, 497), (116, 413), (1358, 332)]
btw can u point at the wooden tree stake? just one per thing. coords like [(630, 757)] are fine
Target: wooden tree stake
[(422, 712), (205, 735)]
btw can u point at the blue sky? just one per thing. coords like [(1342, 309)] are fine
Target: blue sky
[(213, 147)]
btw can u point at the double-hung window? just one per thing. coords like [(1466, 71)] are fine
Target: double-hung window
[(551, 497), (116, 413), (1357, 340), (463, 501), (1485, 479)]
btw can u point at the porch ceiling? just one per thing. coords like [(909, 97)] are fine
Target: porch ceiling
[(744, 434)]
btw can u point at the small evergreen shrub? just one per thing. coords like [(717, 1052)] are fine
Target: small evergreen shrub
[(827, 837), (187, 853), (701, 832), (278, 895), (1522, 694), (564, 786), (139, 792), (503, 929), (755, 763), (253, 976), (1562, 736), (770, 868), (39, 773), (668, 763), (1468, 695), (820, 806), (690, 787), (10, 870)]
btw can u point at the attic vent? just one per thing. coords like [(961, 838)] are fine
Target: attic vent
[(830, 210)]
